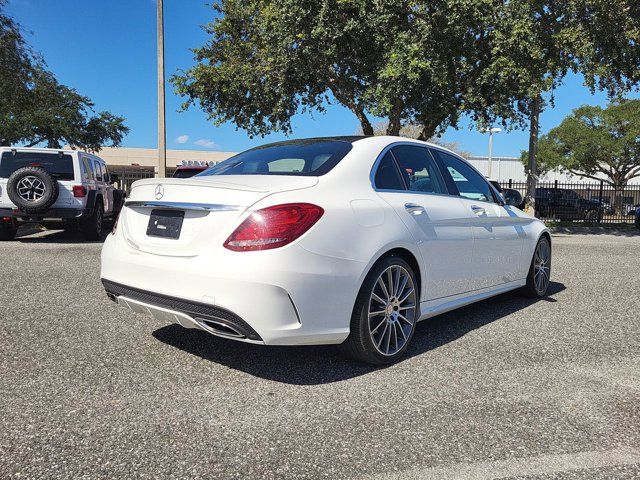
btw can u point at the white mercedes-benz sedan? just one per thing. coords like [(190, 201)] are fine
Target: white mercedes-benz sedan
[(345, 240)]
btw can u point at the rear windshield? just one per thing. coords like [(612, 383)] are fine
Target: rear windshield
[(59, 166), (187, 172), (304, 158)]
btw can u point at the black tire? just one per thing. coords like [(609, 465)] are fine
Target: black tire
[(118, 202), (531, 289), (93, 226), (7, 231), (359, 345), (46, 198), (592, 216)]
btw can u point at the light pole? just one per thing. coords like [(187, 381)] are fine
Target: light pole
[(162, 134), (491, 131)]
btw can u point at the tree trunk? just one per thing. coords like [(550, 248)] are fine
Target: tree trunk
[(393, 128), (365, 124), (428, 131), (532, 174)]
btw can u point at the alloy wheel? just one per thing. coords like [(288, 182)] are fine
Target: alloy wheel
[(31, 188), (392, 310), (542, 266)]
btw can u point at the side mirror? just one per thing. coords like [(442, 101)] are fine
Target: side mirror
[(512, 197)]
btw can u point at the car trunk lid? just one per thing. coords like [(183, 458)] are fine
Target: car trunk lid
[(205, 210)]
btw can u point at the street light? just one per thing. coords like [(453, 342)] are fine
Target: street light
[(491, 131), (162, 135)]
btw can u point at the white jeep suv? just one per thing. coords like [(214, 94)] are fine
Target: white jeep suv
[(41, 184)]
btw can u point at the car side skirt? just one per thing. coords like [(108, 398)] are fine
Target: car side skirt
[(435, 307)]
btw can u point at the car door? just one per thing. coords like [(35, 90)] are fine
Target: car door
[(408, 179), (497, 231)]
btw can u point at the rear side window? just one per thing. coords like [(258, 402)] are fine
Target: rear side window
[(418, 169), (59, 166), (387, 177), (300, 158), (469, 183), (87, 170), (96, 166)]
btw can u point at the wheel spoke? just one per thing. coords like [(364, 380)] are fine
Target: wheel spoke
[(386, 327), (383, 321), (404, 335), (378, 299), (406, 295), (403, 284), (375, 314), (396, 283), (384, 289), (388, 341)]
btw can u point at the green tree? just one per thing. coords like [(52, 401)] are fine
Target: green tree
[(410, 62), (597, 143), (36, 109), (538, 42)]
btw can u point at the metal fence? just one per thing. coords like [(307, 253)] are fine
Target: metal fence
[(596, 202)]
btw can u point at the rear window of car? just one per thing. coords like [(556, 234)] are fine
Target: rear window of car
[(58, 165), (187, 172), (299, 158)]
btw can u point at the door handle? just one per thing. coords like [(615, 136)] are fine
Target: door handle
[(478, 210), (414, 208)]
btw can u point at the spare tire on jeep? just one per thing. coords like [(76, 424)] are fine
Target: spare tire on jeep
[(32, 189)]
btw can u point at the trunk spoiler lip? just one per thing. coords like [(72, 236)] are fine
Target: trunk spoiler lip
[(208, 207), (233, 182)]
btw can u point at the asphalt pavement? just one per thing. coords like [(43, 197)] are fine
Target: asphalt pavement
[(507, 388)]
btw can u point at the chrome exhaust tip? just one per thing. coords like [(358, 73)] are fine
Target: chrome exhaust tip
[(219, 328)]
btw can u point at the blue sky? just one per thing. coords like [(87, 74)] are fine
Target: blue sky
[(107, 51)]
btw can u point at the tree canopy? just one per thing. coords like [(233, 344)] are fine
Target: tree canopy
[(36, 109), (598, 143), (410, 62)]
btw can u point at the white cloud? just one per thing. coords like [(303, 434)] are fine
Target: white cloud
[(206, 143), (182, 139)]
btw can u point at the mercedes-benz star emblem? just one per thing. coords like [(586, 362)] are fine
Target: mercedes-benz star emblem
[(159, 192)]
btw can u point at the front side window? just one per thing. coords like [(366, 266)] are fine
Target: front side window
[(418, 169), (387, 176), (299, 158), (58, 165), (470, 184)]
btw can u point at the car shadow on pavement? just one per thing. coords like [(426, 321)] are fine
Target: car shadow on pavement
[(38, 234), (315, 365)]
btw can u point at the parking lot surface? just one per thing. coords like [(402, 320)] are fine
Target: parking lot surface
[(506, 388)]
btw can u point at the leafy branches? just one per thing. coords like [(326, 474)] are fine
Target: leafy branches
[(36, 109)]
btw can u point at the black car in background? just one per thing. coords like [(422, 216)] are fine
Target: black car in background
[(566, 204)]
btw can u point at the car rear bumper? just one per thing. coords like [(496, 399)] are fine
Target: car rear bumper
[(263, 296), (189, 314)]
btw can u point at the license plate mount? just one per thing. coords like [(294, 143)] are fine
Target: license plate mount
[(165, 223)]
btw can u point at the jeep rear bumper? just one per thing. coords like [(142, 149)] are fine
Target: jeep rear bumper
[(51, 214)]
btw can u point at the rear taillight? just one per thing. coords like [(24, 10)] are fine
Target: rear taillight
[(273, 227), (79, 191)]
